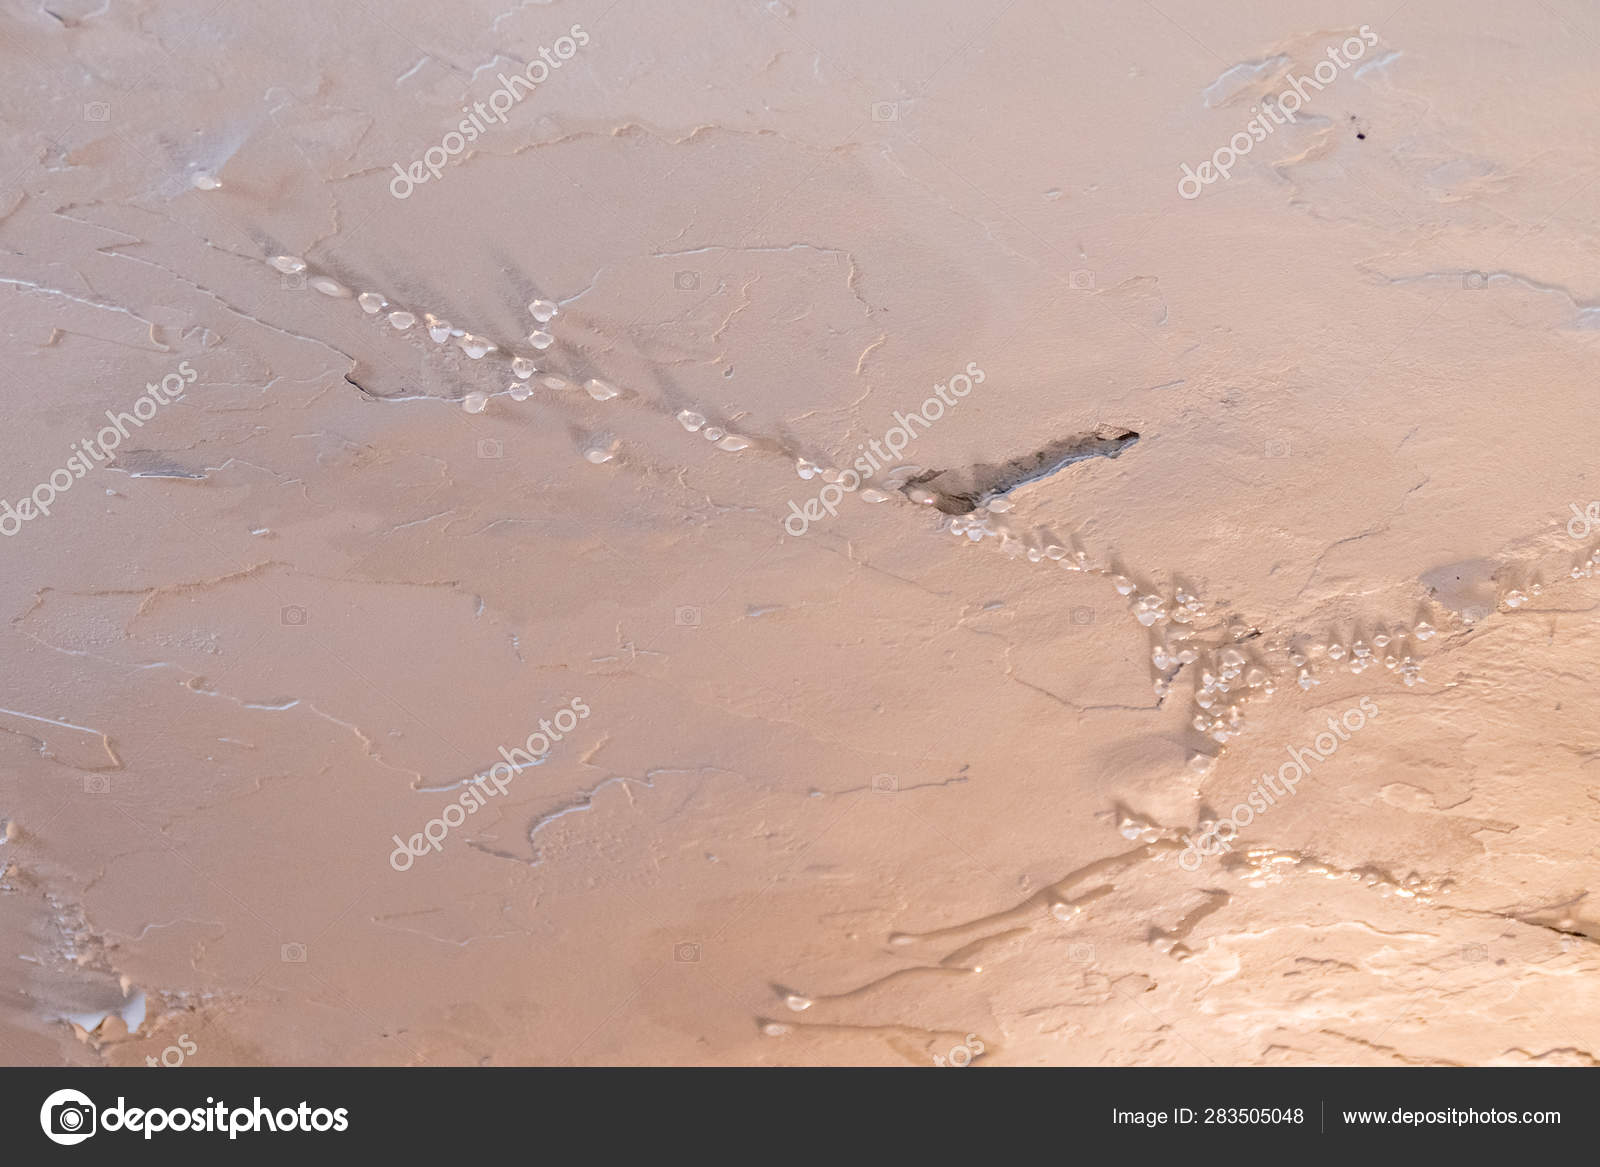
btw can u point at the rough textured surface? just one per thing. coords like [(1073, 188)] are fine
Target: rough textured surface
[(849, 789)]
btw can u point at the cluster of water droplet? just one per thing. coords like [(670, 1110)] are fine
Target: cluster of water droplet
[(442, 331), (1235, 663), (1392, 646), (1585, 568), (696, 423), (1265, 866)]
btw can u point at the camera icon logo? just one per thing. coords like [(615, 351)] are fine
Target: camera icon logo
[(884, 784), (96, 784), (1081, 280), (1475, 953), (1277, 448), (96, 111), (686, 281), (1083, 615), (294, 615), (294, 281), (686, 953), (1081, 954), (491, 448), (885, 111), (292, 953), (1474, 281), (68, 1117), (687, 617)]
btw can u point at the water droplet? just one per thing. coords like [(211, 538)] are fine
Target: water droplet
[(713, 433), (438, 329), (540, 339), (519, 390), (798, 1003), (733, 443), (330, 287), (899, 476), (554, 382), (543, 311), (872, 494), (1123, 584), (288, 264), (600, 390), (522, 367), (804, 468), (690, 420), (775, 1028), (371, 303), (402, 320), (475, 402), (204, 181), (475, 346)]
